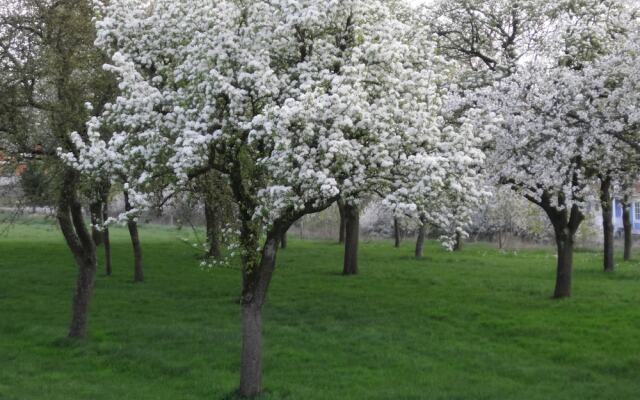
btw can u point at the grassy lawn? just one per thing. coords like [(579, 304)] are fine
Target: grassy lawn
[(473, 325)]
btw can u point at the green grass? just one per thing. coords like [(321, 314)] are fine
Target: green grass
[(473, 325)]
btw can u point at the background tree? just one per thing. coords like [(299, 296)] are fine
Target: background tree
[(625, 188), (54, 69)]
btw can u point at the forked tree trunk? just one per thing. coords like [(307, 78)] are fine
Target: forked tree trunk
[(422, 230), (396, 232), (458, 243), (132, 225), (214, 225), (565, 223), (352, 233), (626, 223), (606, 203), (283, 240), (82, 246), (343, 222)]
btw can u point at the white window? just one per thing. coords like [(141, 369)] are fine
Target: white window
[(636, 212)]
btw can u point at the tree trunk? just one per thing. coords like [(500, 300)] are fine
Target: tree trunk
[(213, 221), (352, 233), (606, 203), (396, 232), (343, 221), (83, 248), (626, 223), (422, 230), (138, 270), (256, 278), (251, 367), (458, 244), (82, 298), (106, 241), (283, 240), (564, 243), (566, 222), (132, 225), (95, 209)]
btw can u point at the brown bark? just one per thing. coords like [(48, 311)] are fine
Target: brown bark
[(396, 232), (606, 203), (132, 225), (422, 230), (82, 246), (626, 223), (352, 233), (343, 222)]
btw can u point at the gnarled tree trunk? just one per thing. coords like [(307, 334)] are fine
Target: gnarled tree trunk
[(626, 223), (283, 240), (352, 237), (606, 203), (82, 246), (132, 225)]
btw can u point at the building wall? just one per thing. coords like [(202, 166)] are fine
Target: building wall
[(635, 216)]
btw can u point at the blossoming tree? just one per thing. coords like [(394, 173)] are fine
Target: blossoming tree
[(296, 102), (553, 133)]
